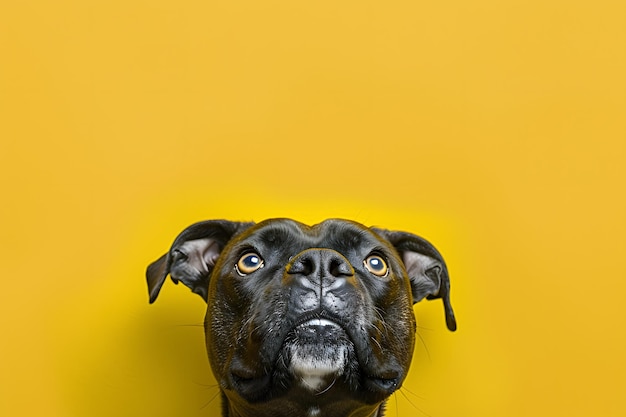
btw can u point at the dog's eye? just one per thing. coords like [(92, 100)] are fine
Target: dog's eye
[(376, 265), (248, 263)]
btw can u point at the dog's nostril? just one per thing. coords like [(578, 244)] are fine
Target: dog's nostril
[(303, 266), (338, 268)]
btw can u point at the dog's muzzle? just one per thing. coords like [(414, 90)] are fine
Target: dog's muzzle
[(330, 321)]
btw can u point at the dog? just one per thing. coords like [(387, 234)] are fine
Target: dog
[(304, 320)]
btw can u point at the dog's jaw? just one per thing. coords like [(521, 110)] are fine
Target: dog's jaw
[(317, 365)]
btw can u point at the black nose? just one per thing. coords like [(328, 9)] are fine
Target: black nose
[(320, 280), (320, 264)]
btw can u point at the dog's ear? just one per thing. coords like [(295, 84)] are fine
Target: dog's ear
[(426, 269), (192, 256)]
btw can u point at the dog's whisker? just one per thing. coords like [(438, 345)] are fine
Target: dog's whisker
[(190, 325), (395, 398), (425, 328), (421, 338), (207, 386), (413, 393), (377, 343), (401, 390), (381, 321), (327, 388), (211, 399)]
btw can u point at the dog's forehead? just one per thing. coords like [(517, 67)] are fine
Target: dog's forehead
[(329, 233)]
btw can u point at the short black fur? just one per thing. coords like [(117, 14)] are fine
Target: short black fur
[(311, 330)]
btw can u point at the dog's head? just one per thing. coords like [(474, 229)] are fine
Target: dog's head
[(306, 320)]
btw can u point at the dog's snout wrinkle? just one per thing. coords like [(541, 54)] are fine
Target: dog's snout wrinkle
[(320, 270), (321, 279)]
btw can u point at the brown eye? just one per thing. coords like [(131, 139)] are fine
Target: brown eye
[(376, 265), (249, 263)]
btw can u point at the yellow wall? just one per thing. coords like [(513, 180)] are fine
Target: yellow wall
[(496, 129)]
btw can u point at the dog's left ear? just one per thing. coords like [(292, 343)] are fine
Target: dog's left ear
[(426, 269), (192, 256)]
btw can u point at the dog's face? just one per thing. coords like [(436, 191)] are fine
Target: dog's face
[(306, 321)]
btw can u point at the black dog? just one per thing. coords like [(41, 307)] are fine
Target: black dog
[(306, 321)]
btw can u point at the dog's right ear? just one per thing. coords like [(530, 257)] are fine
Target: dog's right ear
[(193, 256)]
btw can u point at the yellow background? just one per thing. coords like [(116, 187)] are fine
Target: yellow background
[(496, 129)]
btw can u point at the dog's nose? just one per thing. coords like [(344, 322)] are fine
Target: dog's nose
[(321, 280), (320, 264)]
